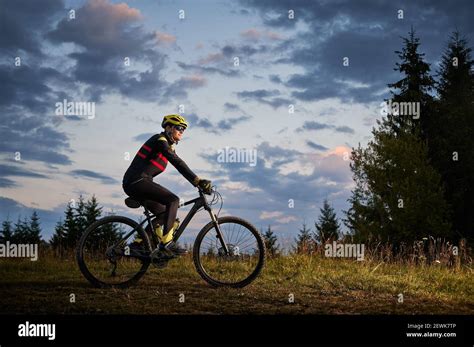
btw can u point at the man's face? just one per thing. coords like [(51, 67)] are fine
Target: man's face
[(176, 132)]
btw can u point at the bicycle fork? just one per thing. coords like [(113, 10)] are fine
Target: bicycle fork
[(218, 230)]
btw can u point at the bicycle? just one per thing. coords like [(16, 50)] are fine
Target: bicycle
[(222, 255)]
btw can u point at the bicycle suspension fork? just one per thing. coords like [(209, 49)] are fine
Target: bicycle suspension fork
[(218, 229)]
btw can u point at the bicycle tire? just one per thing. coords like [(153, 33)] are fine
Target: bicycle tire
[(252, 276), (80, 252)]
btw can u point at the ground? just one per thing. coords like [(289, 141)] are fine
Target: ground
[(288, 285)]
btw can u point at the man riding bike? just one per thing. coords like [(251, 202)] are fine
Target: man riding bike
[(151, 160)]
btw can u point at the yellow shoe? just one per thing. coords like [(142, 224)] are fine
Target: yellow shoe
[(164, 239)]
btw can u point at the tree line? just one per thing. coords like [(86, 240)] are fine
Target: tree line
[(415, 178), (24, 231), (78, 215)]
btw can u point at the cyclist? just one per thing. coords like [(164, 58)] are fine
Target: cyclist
[(151, 160)]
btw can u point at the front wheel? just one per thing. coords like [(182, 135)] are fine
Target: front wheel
[(239, 264)]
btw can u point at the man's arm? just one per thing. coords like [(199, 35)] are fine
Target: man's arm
[(177, 162)]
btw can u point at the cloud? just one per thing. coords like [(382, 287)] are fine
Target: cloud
[(313, 125), (164, 38), (104, 34), (10, 170), (255, 35), (143, 137), (23, 23), (326, 175), (344, 129), (264, 96), (222, 125), (316, 146), (6, 183), (94, 175), (366, 33), (209, 70), (32, 138), (275, 79), (229, 123), (178, 89), (230, 107)]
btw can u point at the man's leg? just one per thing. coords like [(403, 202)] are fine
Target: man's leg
[(149, 190)]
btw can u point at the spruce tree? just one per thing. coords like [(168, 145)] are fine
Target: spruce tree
[(452, 129), (327, 226), (34, 229), (271, 242), (71, 232), (399, 194), (58, 240), (7, 231), (304, 241)]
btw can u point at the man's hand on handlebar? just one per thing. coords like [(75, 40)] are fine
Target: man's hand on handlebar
[(206, 186)]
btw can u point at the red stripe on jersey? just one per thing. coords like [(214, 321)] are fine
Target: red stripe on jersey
[(141, 155), (158, 165), (162, 157), (146, 147)]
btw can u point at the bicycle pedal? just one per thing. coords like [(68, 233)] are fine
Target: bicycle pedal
[(160, 264), (161, 255)]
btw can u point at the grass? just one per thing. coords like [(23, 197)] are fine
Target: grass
[(319, 286)]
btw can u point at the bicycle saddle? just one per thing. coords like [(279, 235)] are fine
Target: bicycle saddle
[(132, 203)]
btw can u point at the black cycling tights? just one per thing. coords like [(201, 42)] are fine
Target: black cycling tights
[(157, 199)]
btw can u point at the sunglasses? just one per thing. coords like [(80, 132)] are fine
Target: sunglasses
[(180, 128)]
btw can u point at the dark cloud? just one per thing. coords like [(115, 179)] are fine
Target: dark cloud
[(316, 146), (10, 170), (231, 107), (6, 183), (222, 125), (199, 122), (367, 32), (275, 79), (276, 188), (344, 129), (75, 118), (34, 139), (263, 96), (23, 22), (229, 123), (106, 34), (178, 89), (258, 94), (143, 137), (209, 70), (313, 125), (94, 175), (29, 91)]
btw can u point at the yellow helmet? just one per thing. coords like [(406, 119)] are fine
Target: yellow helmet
[(174, 119)]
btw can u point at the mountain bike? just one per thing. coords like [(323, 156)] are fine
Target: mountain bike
[(228, 251)]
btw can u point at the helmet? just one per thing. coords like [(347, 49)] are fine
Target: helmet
[(174, 119)]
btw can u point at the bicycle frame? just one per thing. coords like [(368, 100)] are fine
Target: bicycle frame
[(198, 203)]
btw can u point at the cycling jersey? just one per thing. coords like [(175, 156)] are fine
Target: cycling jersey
[(152, 158)]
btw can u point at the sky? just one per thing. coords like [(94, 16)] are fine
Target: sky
[(299, 83)]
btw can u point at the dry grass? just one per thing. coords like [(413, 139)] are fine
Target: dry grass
[(319, 286)]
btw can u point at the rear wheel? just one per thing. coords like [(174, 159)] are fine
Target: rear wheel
[(108, 256), (240, 264)]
